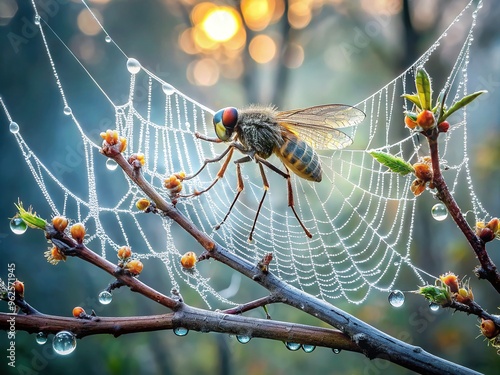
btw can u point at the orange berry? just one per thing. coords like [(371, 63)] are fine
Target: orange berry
[(489, 329), (173, 184), (410, 123), (124, 252), (19, 288), (135, 267), (464, 296), (443, 126), (425, 119), (77, 232), (78, 312), (60, 223), (188, 260)]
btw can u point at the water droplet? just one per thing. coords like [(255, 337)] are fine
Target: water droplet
[(187, 124), (18, 226), (433, 306), (41, 338), (168, 89), (13, 127), (107, 39), (105, 297), (439, 212), (37, 20), (396, 298), (181, 331), (67, 110), (336, 350), (396, 263), (243, 338), (133, 66), (293, 346), (111, 164), (64, 343), (308, 348)]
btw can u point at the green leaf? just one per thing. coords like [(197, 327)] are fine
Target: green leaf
[(392, 162), (412, 98), (435, 294), (424, 89), (461, 103), (30, 217)]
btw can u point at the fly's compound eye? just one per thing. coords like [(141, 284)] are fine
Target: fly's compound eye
[(225, 121)]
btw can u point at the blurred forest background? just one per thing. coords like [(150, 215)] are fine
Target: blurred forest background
[(292, 54)]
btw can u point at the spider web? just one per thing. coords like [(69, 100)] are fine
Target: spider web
[(361, 215)]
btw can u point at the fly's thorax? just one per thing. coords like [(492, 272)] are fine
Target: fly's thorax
[(300, 157), (258, 130)]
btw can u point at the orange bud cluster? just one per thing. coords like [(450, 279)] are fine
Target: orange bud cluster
[(424, 175), (59, 223), (188, 260), (410, 120), (174, 183), (134, 266), (77, 232), (460, 291), (124, 252), (488, 231), (451, 280), (137, 160), (111, 138), (443, 126), (54, 255)]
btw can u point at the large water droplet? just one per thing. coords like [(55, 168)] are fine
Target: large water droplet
[(36, 21), (107, 39), (168, 89), (293, 346), (243, 338), (396, 298), (133, 66), (439, 212), (13, 127), (105, 297), (64, 343), (433, 306), (308, 348), (336, 350), (41, 338), (18, 226), (67, 110), (181, 331), (111, 164)]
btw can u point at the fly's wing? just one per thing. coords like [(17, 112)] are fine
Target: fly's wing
[(319, 126)]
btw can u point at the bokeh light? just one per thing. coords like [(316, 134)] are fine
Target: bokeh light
[(8, 9), (294, 56), (87, 24), (221, 24), (257, 13), (299, 14), (262, 48), (204, 72)]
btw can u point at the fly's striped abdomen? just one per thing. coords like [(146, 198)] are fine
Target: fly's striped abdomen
[(299, 157)]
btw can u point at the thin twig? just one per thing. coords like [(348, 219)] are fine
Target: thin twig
[(488, 269)]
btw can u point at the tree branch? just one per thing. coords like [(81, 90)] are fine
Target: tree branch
[(488, 269)]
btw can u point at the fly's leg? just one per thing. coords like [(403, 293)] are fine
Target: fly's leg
[(239, 188), (266, 188), (208, 161), (291, 202), (229, 152)]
